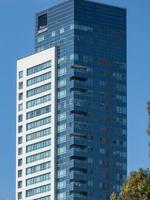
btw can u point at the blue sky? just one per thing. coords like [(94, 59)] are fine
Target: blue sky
[(17, 39)]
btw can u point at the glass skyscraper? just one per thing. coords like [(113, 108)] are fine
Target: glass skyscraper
[(72, 105)]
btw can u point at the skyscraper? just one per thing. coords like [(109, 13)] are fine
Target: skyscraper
[(148, 131), (72, 104)]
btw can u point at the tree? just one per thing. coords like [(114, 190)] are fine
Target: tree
[(113, 196), (136, 187)]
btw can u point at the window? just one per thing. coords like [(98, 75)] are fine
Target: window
[(61, 173), (62, 30), (61, 150), (71, 26), (74, 57), (38, 112), (20, 129), (62, 83), (62, 105), (61, 196), (90, 183), (41, 48), (19, 173), (19, 195), (102, 150), (53, 33), (61, 60), (42, 21), (38, 101), (120, 87), (61, 128), (121, 98), (87, 59), (90, 160), (38, 79), (38, 145), (61, 94), (39, 90), (40, 38), (38, 190), (62, 139), (20, 74), (20, 118), (124, 122), (119, 76), (38, 156), (19, 162), (38, 168), (71, 56), (20, 184), (79, 102), (44, 198), (78, 90), (20, 96), (121, 110), (38, 123), (38, 134), (101, 185), (20, 107), (61, 185), (61, 71), (83, 28), (62, 116), (20, 140), (38, 179), (124, 144), (39, 68), (19, 151), (20, 85), (124, 132), (79, 194)]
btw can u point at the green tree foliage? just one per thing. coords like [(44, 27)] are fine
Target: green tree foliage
[(113, 196), (136, 187)]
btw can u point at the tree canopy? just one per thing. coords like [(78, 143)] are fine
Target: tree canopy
[(136, 187)]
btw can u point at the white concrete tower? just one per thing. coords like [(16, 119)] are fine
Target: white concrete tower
[(36, 126)]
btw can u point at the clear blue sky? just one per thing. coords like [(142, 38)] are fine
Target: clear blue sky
[(17, 39)]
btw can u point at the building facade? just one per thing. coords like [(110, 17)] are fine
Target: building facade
[(72, 105)]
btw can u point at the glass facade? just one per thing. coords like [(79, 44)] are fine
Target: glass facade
[(91, 42), (90, 149)]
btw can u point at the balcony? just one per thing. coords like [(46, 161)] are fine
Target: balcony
[(75, 197), (81, 128), (78, 195), (78, 176), (79, 68), (78, 78), (78, 187), (78, 141), (82, 153), (79, 112), (78, 163)]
